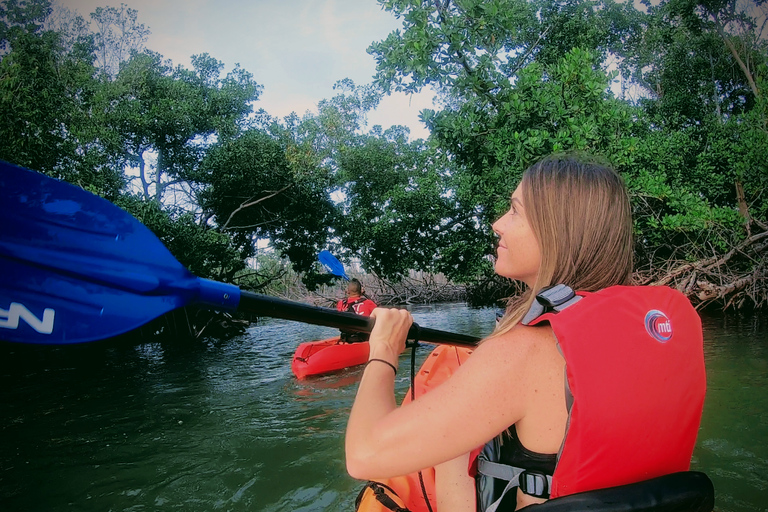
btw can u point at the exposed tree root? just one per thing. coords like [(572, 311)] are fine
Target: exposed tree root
[(736, 279)]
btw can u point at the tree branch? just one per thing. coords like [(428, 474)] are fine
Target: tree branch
[(535, 45), (727, 40), (454, 222), (462, 58), (709, 291), (709, 263), (245, 205)]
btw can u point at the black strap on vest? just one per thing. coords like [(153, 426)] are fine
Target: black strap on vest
[(352, 336), (531, 482), (349, 306), (378, 489)]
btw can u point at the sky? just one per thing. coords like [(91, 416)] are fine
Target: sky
[(296, 49)]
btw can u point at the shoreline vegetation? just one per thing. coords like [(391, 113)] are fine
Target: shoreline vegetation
[(672, 95), (708, 283), (719, 281)]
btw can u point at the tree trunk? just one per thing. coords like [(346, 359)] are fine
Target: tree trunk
[(732, 48), (158, 176), (143, 176), (743, 207)]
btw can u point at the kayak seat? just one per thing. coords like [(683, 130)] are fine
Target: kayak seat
[(687, 491)]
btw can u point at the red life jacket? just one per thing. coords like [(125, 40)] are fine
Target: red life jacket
[(635, 386), (360, 306)]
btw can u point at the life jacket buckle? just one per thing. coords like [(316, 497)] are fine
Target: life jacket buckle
[(534, 483)]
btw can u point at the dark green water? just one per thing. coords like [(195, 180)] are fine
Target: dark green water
[(223, 425)]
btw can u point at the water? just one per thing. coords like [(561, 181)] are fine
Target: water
[(223, 425), (732, 447)]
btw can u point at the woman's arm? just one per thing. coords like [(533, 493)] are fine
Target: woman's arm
[(454, 488), (376, 394), (487, 393)]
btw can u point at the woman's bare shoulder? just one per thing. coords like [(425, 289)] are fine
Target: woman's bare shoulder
[(519, 344), (509, 361)]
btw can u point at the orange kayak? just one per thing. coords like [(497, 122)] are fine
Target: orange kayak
[(325, 356)]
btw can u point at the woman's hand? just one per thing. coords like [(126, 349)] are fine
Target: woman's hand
[(387, 340)]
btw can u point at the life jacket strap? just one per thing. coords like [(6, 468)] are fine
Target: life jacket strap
[(348, 305), (380, 493), (533, 483), (498, 470)]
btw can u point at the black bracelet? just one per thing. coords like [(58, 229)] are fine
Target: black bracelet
[(383, 361)]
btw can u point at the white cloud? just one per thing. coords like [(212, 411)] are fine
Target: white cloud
[(296, 49)]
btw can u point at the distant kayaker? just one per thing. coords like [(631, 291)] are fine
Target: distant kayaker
[(357, 303), (632, 358)]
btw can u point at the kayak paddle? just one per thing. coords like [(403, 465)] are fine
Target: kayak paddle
[(332, 264), (76, 268)]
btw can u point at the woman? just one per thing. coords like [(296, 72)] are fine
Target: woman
[(569, 223)]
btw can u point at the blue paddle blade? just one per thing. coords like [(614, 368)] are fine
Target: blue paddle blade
[(76, 268), (332, 265)]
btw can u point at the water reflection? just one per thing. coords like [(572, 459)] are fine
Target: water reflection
[(733, 442)]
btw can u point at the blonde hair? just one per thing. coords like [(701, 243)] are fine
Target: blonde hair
[(579, 213)]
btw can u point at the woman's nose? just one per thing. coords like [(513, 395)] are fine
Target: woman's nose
[(496, 226)]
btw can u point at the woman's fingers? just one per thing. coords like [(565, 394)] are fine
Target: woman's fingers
[(389, 332)]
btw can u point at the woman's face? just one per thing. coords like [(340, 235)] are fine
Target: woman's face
[(518, 255)]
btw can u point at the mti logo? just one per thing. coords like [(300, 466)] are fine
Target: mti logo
[(658, 325)]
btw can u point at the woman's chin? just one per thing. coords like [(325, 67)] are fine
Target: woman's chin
[(500, 270)]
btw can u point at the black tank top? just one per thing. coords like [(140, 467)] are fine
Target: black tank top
[(515, 454)]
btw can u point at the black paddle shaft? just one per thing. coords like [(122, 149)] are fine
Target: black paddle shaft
[(264, 305)]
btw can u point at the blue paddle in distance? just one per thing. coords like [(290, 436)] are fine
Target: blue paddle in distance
[(76, 268), (332, 264)]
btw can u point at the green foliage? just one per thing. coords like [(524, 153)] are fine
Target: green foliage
[(396, 203), (151, 106), (705, 134), (314, 140), (45, 96), (204, 251), (440, 43), (477, 47), (20, 17), (253, 191), (685, 66), (33, 102), (520, 80)]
